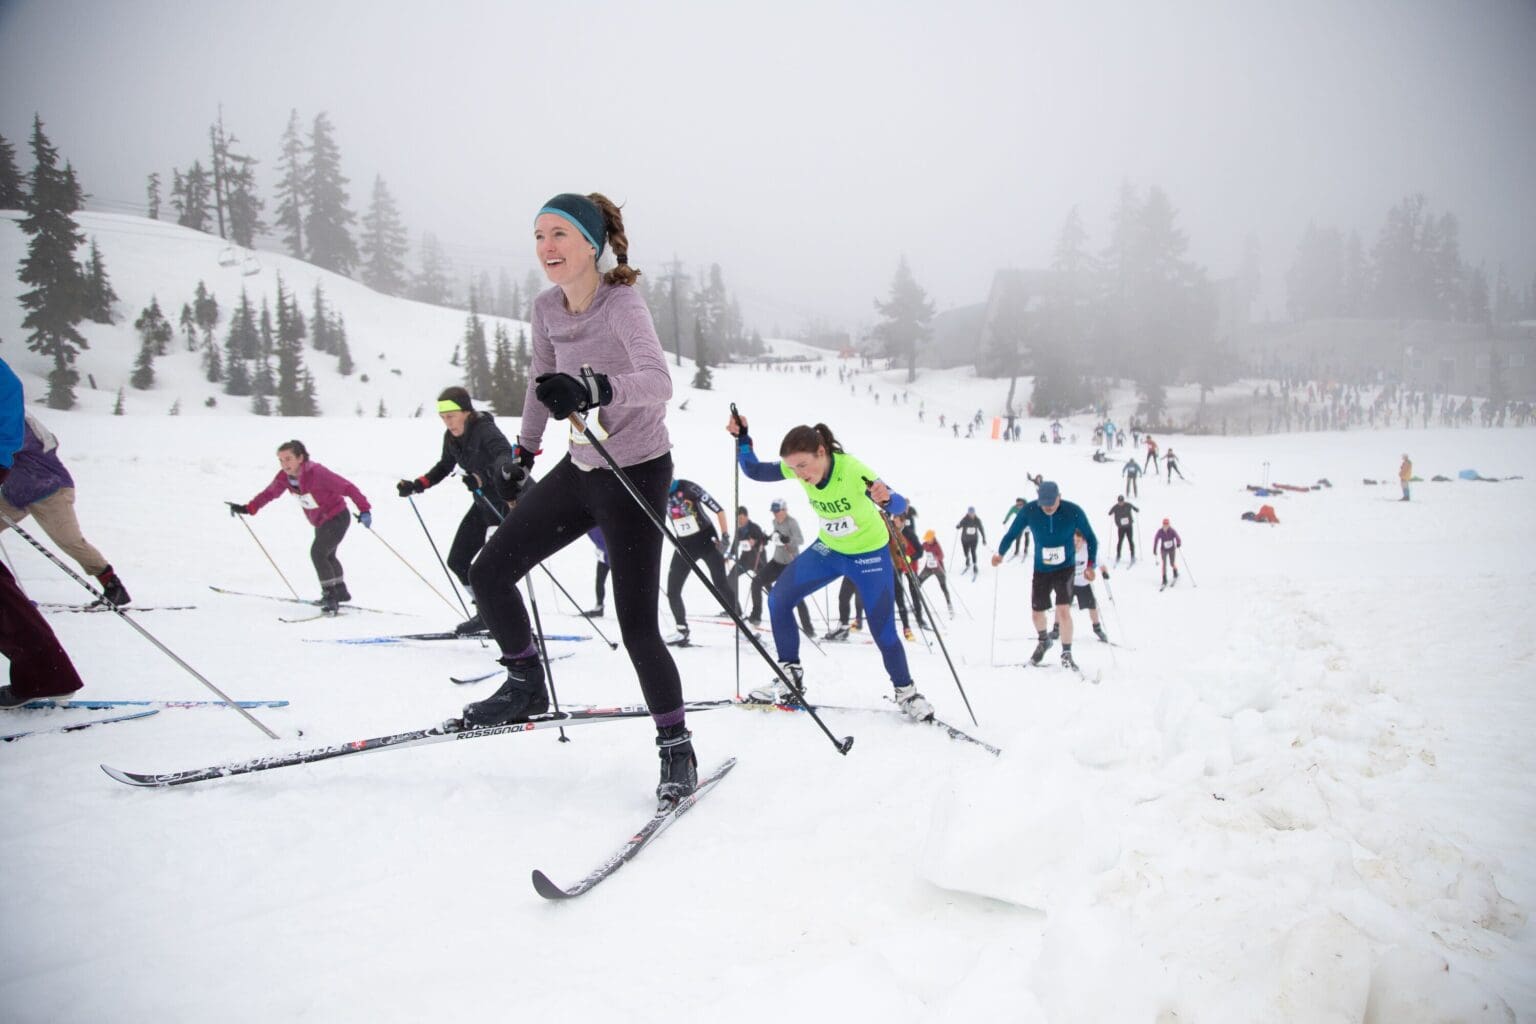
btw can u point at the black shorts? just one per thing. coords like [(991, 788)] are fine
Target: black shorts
[(1085, 598), (1052, 581)]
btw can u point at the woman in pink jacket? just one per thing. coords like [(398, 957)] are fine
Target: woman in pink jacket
[(319, 493)]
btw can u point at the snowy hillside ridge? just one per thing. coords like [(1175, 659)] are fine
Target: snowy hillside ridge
[(1301, 791), (402, 346)]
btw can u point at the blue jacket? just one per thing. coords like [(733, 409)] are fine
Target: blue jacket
[(1054, 545), (11, 414)]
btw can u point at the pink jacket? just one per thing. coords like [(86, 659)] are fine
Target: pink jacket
[(320, 492)]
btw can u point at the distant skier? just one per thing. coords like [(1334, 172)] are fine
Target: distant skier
[(1405, 476), (319, 493), (1171, 463), (746, 553), (1053, 523), (1131, 472), (473, 443), (932, 565), (1122, 512), (1166, 543), (970, 531), (1015, 509), (1151, 454), (687, 503)]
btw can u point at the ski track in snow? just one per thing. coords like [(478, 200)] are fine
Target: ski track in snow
[(1305, 795)]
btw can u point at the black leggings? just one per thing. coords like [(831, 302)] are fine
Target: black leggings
[(968, 548), (1123, 538), (323, 551), (602, 582), (560, 509), (700, 545), (468, 540), (849, 593)]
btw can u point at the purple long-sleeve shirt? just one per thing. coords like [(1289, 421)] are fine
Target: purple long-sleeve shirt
[(319, 491), (1166, 539), (615, 336), (37, 471)]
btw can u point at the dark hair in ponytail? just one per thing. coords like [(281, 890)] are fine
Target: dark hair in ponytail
[(613, 227), (808, 439), (296, 447)]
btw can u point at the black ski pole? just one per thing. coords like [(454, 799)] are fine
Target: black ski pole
[(24, 535), (905, 566), (736, 499), (843, 745), (451, 583), (611, 645)]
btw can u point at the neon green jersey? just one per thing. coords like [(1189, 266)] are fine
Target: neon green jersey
[(850, 521)]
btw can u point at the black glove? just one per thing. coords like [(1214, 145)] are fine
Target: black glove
[(238, 510), (563, 394), (511, 478), (406, 488), (471, 482), (523, 456)]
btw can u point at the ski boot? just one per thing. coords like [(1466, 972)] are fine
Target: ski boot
[(522, 696), (679, 765), (470, 626), (330, 604), (679, 638), (1066, 659), (1098, 631), (343, 595), (595, 613), (913, 704), (1055, 631), (839, 633), (1043, 645), (777, 691), (113, 593)]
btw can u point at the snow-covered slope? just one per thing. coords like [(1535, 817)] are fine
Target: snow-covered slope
[(402, 347), (1301, 791)]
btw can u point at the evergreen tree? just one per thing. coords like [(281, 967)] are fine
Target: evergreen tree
[(1506, 308), (263, 383), (343, 353), (506, 295), (325, 194), (154, 328), (292, 399), (191, 202), (702, 379), (213, 370), (234, 187), (906, 319), (431, 284), (291, 188), (384, 243), (143, 377), (1315, 284), (1405, 260), (383, 413), (477, 361), (99, 293), (13, 195), (152, 195), (117, 407), (532, 285), (205, 308), (1479, 308), (505, 400), (55, 299), (320, 335), (243, 343), (188, 325)]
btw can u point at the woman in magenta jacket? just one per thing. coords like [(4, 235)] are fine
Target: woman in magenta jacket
[(319, 492)]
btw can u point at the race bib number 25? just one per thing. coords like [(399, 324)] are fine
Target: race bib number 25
[(1053, 556)]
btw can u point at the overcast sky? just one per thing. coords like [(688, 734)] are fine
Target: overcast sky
[(806, 145)]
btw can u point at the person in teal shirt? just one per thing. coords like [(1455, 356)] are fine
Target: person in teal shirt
[(1053, 523), (852, 542)]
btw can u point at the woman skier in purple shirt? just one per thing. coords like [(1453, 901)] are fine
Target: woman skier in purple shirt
[(595, 351)]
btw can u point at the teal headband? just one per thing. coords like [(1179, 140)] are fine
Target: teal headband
[(583, 213)]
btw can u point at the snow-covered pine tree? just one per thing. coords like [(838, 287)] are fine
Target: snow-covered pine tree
[(99, 294), (431, 283), (290, 188), (53, 300), (328, 219), (320, 334), (477, 361), (188, 325), (192, 205), (344, 365), (384, 243), (213, 369), (506, 398), (506, 294), (291, 400), (702, 379), (152, 195), (263, 383), (13, 193), (143, 377), (205, 308)]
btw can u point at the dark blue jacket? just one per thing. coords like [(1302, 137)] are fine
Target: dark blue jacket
[(1054, 544)]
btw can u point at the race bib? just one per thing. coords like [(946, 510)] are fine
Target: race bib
[(1169, 545), (685, 527), (746, 545), (1126, 521), (305, 500), (930, 560), (1053, 556), (838, 527)]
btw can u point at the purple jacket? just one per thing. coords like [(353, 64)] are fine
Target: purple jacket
[(1166, 539), (319, 490), (36, 471)]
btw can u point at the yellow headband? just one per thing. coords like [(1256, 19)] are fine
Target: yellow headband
[(449, 405)]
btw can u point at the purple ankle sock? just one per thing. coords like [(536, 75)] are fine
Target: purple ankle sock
[(670, 718), (527, 652)]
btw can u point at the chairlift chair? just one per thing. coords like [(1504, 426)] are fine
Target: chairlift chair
[(250, 266), (228, 257)]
